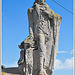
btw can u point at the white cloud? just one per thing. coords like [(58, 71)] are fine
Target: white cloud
[(11, 65), (62, 52), (72, 51), (68, 64)]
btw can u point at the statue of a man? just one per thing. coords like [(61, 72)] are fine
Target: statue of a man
[(44, 27)]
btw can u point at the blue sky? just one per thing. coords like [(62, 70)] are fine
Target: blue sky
[(15, 29)]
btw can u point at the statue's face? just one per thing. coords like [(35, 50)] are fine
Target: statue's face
[(40, 1)]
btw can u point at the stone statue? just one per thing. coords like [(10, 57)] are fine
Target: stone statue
[(39, 49)]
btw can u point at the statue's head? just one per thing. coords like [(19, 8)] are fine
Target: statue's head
[(40, 1)]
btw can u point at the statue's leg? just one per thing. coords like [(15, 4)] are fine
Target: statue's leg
[(42, 50)]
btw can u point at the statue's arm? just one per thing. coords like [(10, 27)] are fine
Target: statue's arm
[(56, 33), (30, 18), (29, 39)]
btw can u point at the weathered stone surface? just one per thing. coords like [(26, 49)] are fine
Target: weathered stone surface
[(39, 50)]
